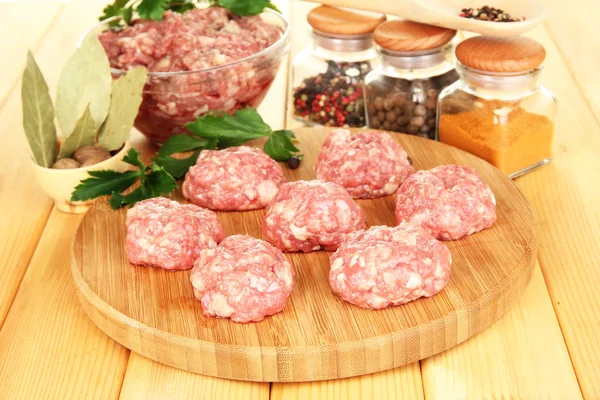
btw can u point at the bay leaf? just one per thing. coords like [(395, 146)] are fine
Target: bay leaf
[(84, 134), (125, 102), (38, 114), (84, 80)]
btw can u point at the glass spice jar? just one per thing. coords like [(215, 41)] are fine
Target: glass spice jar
[(498, 110), (417, 62), (327, 77)]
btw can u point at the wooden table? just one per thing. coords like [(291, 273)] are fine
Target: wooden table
[(546, 346)]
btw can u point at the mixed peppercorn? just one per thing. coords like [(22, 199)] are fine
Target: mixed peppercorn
[(335, 97), (487, 13)]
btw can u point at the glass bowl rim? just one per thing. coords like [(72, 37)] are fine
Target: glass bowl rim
[(282, 41)]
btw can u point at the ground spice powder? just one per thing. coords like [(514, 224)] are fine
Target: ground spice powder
[(506, 136)]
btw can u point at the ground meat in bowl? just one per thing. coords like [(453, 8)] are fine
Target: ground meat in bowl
[(189, 44)]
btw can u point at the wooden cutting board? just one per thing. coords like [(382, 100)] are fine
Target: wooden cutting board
[(317, 336)]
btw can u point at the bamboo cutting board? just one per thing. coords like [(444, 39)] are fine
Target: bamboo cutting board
[(317, 336)]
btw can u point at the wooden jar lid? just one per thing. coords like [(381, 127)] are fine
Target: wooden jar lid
[(501, 54), (399, 35), (342, 22)]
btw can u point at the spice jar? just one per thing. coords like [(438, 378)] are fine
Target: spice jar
[(327, 77), (417, 62), (498, 110)]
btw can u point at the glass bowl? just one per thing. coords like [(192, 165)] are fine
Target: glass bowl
[(173, 99)]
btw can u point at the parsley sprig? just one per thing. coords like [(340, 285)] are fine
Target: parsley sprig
[(212, 131), (155, 9)]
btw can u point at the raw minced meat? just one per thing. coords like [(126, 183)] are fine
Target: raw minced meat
[(237, 178), (196, 40), (368, 165), (311, 215), (244, 278), (449, 201), (166, 234), (387, 266)]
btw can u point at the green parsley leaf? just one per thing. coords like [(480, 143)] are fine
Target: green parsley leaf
[(152, 9), (178, 167), (244, 7), (157, 182), (246, 124), (133, 157), (181, 6), (154, 181), (117, 9), (103, 183), (280, 147)]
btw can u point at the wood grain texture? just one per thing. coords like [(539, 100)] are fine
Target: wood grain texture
[(522, 356), (578, 43), (512, 54), (339, 21), (49, 348), (25, 214), (566, 195), (25, 207), (27, 21), (402, 383), (317, 336), (146, 380), (400, 35)]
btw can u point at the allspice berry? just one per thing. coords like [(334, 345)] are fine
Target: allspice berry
[(66, 163), (93, 160), (84, 153)]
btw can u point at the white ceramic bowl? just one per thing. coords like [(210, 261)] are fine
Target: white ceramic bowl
[(60, 183)]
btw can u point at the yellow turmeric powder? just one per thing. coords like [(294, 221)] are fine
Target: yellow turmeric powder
[(505, 135)]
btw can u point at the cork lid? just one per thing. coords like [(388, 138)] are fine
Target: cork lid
[(501, 54), (399, 35), (338, 21)]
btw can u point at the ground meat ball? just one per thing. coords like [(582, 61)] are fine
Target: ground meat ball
[(244, 278), (387, 266), (311, 215), (449, 201), (237, 178), (368, 165), (193, 41), (166, 234)]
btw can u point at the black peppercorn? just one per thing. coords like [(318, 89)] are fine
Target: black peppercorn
[(293, 162)]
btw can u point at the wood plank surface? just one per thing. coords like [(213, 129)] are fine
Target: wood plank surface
[(25, 214), (566, 204), (25, 23), (574, 32), (147, 380), (522, 356), (566, 195), (402, 383), (49, 348)]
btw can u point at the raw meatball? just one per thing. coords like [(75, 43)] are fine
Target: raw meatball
[(166, 234), (449, 201), (368, 165), (237, 178), (244, 278), (311, 215), (387, 266)]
